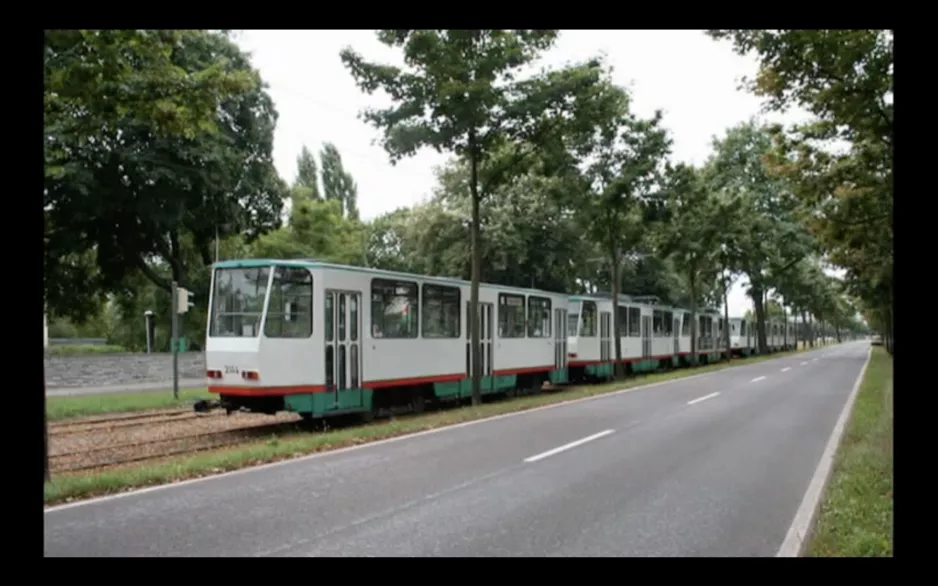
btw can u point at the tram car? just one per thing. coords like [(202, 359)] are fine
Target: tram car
[(652, 336), (742, 336), (323, 339)]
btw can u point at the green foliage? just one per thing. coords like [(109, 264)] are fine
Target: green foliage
[(844, 78), (460, 93), (337, 183), (167, 136)]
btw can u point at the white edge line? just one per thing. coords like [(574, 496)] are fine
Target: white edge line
[(786, 369), (704, 398), (290, 461), (757, 379), (566, 447), (801, 526)]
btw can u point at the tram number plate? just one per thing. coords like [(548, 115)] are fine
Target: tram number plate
[(231, 369)]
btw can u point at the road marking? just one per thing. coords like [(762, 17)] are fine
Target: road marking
[(805, 363), (801, 526), (566, 447), (814, 360), (757, 379), (786, 369), (704, 398)]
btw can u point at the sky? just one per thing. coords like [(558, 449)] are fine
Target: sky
[(693, 79)]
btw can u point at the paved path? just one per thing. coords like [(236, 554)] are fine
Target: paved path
[(184, 383), (715, 465)]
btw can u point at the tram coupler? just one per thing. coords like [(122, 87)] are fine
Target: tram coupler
[(204, 406)]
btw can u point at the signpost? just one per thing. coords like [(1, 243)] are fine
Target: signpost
[(182, 301)]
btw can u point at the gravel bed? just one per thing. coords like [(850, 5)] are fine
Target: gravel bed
[(100, 445)]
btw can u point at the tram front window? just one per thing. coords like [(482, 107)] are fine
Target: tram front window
[(238, 301)]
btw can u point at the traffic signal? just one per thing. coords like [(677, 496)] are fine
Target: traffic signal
[(184, 300)]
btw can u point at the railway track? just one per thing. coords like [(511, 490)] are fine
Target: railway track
[(133, 452), (124, 421)]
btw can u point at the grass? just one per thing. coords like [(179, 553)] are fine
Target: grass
[(856, 514), (69, 487), (58, 408), (83, 349)]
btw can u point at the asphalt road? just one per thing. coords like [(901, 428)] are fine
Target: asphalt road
[(716, 465)]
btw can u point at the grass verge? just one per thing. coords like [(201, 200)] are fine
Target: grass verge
[(70, 487), (856, 514), (58, 408), (84, 349)]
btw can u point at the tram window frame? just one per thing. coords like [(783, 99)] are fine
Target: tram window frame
[(518, 325), (381, 298), (539, 313), (442, 294), (635, 322), (276, 322), (589, 316)]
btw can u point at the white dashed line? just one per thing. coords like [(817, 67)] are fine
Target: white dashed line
[(565, 447), (814, 360), (704, 398), (786, 369), (757, 379), (804, 363)]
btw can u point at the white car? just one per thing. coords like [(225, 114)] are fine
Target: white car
[(876, 340)]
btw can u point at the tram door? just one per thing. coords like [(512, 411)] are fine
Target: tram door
[(605, 336), (677, 336), (646, 337), (343, 348), (560, 339), (485, 341)]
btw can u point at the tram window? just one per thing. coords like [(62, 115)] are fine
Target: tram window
[(440, 311), (290, 310), (685, 325), (510, 316), (238, 302), (394, 309), (572, 320), (538, 317), (668, 324), (588, 327), (657, 320), (635, 322)]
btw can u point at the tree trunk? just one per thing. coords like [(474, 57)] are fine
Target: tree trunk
[(757, 301), (45, 429), (619, 369), (726, 317), (692, 281), (476, 351)]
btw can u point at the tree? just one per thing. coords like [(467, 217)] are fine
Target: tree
[(844, 78), (771, 239), (337, 183), (125, 191), (689, 235), (307, 176), (627, 153), (460, 92)]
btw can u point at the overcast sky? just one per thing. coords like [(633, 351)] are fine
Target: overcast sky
[(691, 77)]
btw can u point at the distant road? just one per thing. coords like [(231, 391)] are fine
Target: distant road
[(184, 383), (715, 465)]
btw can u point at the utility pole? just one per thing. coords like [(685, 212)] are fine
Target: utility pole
[(181, 304)]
